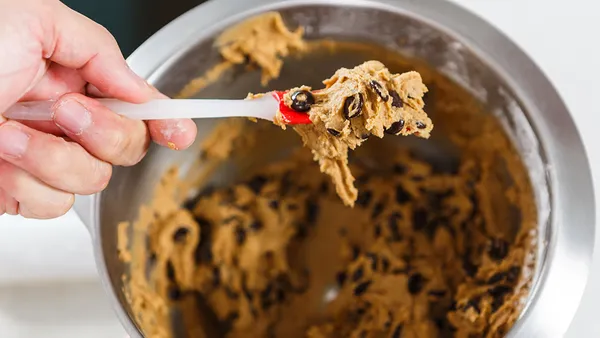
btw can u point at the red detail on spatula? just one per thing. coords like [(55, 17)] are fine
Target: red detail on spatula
[(289, 115)]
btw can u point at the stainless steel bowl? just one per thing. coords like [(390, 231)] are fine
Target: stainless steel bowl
[(454, 41)]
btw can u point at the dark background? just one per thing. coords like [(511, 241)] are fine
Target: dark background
[(132, 21)]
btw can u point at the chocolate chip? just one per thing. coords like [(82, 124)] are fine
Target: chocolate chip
[(257, 183), (497, 277), (385, 264), (341, 277), (333, 132), (377, 230), (312, 211), (358, 274), (402, 196), (256, 225), (396, 100), (365, 136), (302, 100), (355, 252), (399, 169), (393, 227), (416, 282), (364, 198), (378, 88), (240, 235), (170, 271), (301, 230), (353, 106), (324, 187), (421, 125), (498, 249), (175, 293), (419, 219), (395, 128), (499, 290), (437, 293), (498, 293), (513, 274), (280, 295), (377, 210), (399, 271), (374, 260), (274, 204), (397, 331), (361, 288), (216, 276), (181, 234), (469, 268)]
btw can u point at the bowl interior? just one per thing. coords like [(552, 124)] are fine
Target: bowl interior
[(387, 35)]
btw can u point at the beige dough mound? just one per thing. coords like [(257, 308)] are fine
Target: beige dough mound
[(355, 104)]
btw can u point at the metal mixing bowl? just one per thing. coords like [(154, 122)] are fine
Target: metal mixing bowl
[(452, 40)]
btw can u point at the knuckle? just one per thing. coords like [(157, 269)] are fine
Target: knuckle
[(123, 150), (101, 173)]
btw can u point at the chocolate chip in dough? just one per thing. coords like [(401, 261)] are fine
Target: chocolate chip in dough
[(302, 100), (353, 106), (513, 274), (437, 293), (377, 210), (397, 331), (396, 100), (385, 264), (333, 132), (274, 204), (358, 274), (395, 128), (175, 293), (364, 198), (377, 230), (416, 282), (421, 125), (312, 211), (361, 288), (378, 88), (402, 196), (256, 225), (498, 249), (341, 277), (393, 227), (170, 271), (419, 219), (364, 136), (181, 234), (257, 183), (240, 235), (355, 252)]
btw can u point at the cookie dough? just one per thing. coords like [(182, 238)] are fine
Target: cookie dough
[(428, 250), (261, 41), (355, 104), (413, 259)]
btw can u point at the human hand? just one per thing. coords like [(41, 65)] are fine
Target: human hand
[(48, 51)]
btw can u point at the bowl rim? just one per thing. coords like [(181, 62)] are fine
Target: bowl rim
[(556, 296)]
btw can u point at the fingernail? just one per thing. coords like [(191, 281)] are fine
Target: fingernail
[(72, 117), (13, 141)]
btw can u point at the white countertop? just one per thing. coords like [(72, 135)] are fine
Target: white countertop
[(55, 259)]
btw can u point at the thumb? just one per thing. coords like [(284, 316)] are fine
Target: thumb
[(79, 43)]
